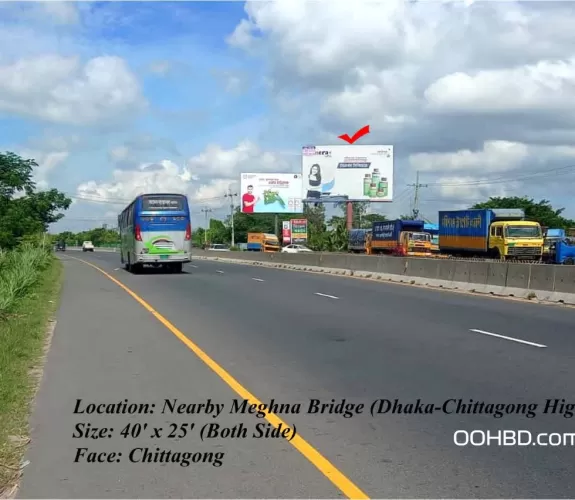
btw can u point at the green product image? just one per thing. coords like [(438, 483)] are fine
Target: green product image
[(273, 196), (372, 190), (366, 184), (375, 176), (382, 188)]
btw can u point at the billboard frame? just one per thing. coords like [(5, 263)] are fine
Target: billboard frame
[(325, 151)]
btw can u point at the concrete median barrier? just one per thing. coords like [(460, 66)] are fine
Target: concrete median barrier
[(540, 282)]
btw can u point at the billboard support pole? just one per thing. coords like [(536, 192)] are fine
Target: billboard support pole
[(276, 223), (349, 221)]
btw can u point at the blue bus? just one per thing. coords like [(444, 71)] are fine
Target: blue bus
[(155, 229)]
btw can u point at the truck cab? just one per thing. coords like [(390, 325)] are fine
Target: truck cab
[(516, 239)]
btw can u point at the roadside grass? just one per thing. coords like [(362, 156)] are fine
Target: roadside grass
[(30, 281)]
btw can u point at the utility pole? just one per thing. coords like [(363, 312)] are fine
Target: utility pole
[(206, 211), (231, 195), (417, 185)]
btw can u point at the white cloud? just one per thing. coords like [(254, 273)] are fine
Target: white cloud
[(546, 86), (47, 162), (494, 157), (58, 89), (205, 178), (61, 12), (467, 92)]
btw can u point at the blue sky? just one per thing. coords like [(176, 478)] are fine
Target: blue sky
[(468, 96)]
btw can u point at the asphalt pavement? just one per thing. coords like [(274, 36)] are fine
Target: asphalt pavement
[(292, 337)]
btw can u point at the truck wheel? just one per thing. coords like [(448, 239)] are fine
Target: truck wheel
[(569, 261)]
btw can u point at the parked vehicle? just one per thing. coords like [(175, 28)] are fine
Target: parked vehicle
[(562, 252), (551, 236), (399, 237), (218, 248), (295, 249), (263, 242), (493, 233), (433, 231), (357, 240)]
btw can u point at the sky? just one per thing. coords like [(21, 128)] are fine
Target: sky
[(113, 99)]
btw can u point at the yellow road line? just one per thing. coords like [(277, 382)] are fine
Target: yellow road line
[(340, 481)]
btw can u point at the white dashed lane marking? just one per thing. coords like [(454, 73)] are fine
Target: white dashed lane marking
[(326, 295), (483, 332)]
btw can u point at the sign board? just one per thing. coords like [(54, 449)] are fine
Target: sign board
[(271, 193), (299, 231), (358, 173), (286, 232)]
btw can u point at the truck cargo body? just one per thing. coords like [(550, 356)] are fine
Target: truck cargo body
[(357, 241), (263, 242), (496, 233), (466, 230)]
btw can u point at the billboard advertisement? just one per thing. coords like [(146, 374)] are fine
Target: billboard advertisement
[(271, 193), (286, 232), (299, 231), (359, 173)]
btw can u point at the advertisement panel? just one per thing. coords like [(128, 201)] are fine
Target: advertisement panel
[(299, 231), (286, 232), (360, 173), (271, 193)]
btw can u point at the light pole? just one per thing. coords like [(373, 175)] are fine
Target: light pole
[(206, 212), (231, 195)]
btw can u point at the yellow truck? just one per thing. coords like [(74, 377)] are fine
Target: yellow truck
[(495, 233), (263, 242)]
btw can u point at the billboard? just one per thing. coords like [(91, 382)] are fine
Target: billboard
[(359, 173), (299, 231), (271, 193)]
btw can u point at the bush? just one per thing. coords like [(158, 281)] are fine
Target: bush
[(20, 270)]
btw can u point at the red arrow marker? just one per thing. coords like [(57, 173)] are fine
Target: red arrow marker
[(358, 135)]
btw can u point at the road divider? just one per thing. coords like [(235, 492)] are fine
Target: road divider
[(537, 282)]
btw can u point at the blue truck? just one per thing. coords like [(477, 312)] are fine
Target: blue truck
[(495, 233), (357, 240), (558, 249), (399, 237)]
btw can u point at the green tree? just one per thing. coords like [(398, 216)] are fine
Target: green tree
[(541, 211), (24, 210), (315, 216)]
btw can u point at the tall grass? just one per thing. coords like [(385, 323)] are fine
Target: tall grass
[(20, 270)]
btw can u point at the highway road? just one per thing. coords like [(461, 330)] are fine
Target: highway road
[(294, 336)]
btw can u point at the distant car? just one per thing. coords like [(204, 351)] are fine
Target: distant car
[(295, 249), (87, 246), (218, 248), (61, 246)]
